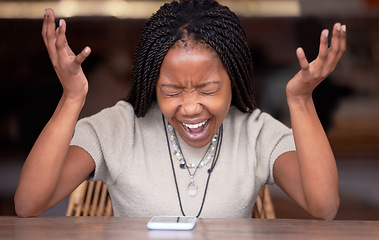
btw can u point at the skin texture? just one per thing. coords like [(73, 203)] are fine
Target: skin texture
[(193, 86)]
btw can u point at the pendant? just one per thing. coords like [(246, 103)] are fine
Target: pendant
[(192, 189)]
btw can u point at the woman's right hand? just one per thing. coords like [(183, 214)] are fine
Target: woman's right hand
[(53, 169), (67, 65)]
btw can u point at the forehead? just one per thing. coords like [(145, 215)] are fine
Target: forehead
[(191, 63), (193, 53), (187, 47)]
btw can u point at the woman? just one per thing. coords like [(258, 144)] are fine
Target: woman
[(188, 139)]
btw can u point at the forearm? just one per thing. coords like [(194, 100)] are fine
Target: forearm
[(42, 168), (318, 171)]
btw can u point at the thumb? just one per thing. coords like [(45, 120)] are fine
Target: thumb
[(303, 62), (79, 59)]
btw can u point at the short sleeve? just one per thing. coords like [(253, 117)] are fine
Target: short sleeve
[(273, 138), (108, 137), (285, 144)]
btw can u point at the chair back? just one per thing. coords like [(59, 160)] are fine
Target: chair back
[(263, 207), (92, 199)]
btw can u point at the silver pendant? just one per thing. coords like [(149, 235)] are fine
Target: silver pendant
[(192, 189)]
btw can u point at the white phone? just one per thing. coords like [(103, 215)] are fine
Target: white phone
[(172, 223)]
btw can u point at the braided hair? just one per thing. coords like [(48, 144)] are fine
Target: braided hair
[(204, 20)]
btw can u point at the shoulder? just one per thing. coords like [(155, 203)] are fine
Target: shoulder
[(120, 110), (113, 137), (105, 129), (257, 118), (120, 117), (260, 128)]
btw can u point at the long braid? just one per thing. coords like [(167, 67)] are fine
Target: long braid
[(201, 20), (145, 67), (233, 69), (242, 65)]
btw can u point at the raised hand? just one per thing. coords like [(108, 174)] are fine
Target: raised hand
[(311, 74), (67, 65), (309, 175)]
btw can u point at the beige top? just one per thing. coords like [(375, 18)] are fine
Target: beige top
[(132, 158)]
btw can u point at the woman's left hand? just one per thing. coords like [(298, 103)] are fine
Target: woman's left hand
[(309, 175), (311, 74)]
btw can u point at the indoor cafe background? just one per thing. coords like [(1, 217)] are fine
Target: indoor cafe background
[(347, 102)]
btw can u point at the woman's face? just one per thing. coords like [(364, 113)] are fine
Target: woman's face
[(194, 91)]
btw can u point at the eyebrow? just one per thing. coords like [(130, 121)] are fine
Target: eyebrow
[(168, 85), (209, 83)]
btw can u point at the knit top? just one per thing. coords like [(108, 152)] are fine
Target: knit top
[(132, 157)]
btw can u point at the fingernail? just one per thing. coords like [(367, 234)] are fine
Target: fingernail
[(86, 50), (326, 33), (60, 22), (343, 28), (338, 27), (46, 12)]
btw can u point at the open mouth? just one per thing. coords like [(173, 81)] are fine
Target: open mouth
[(195, 128)]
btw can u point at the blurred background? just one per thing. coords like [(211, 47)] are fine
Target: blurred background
[(347, 102)]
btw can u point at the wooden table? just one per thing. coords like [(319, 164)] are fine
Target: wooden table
[(110, 228)]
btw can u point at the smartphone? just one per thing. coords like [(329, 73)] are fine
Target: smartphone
[(172, 223)]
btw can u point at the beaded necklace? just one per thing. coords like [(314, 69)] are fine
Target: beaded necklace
[(192, 188), (177, 153)]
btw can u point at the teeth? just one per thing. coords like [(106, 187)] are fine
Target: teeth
[(195, 125)]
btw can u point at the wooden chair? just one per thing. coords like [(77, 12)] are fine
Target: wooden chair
[(92, 199), (263, 207)]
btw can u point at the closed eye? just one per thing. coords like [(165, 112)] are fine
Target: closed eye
[(209, 88), (172, 94), (170, 90), (208, 92)]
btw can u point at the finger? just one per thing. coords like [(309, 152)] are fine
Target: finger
[(47, 15), (83, 55), (50, 25), (323, 50), (334, 49), (61, 41), (342, 48), (48, 34), (44, 27), (342, 42), (335, 42), (303, 62)]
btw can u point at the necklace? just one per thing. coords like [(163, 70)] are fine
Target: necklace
[(210, 170), (177, 153)]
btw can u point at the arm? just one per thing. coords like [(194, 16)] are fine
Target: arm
[(309, 175), (53, 169)]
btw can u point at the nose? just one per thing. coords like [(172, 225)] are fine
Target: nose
[(190, 105)]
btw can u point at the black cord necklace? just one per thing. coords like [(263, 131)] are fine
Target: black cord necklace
[(177, 152), (210, 170)]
